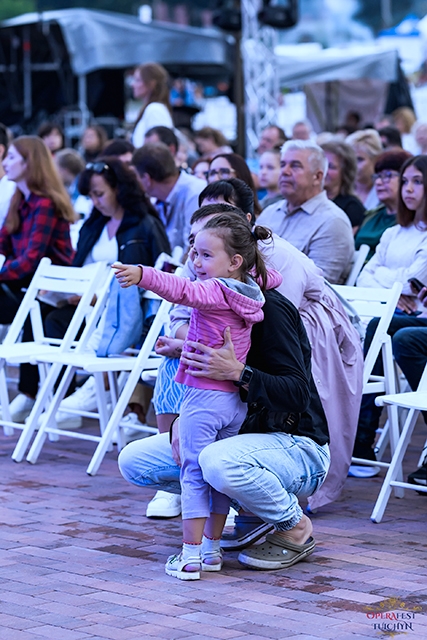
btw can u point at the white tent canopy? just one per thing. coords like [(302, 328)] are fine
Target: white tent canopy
[(329, 65), (103, 39)]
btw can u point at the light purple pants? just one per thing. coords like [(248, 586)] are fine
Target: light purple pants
[(206, 416)]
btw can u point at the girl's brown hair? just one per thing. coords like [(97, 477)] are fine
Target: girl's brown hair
[(405, 216), (236, 233), (157, 77), (42, 178)]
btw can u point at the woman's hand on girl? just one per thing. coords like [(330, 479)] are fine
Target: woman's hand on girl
[(127, 274), (218, 364)]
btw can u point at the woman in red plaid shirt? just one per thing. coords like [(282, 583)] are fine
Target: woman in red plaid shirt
[(37, 226)]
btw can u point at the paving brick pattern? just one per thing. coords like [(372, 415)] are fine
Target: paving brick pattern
[(79, 560)]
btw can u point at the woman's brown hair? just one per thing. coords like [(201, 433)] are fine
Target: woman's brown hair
[(235, 231), (242, 172), (42, 178), (156, 76), (405, 216)]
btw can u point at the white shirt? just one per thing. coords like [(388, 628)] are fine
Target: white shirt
[(155, 115), (7, 189), (401, 254), (105, 249)]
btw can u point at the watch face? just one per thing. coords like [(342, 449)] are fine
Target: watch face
[(246, 376)]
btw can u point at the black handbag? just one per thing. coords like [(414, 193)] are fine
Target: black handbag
[(260, 420)]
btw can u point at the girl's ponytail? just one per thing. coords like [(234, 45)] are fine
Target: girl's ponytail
[(261, 233)]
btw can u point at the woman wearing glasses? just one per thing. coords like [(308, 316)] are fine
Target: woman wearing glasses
[(230, 165), (386, 182)]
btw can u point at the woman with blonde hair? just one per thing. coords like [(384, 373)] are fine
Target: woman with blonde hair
[(150, 84), (367, 146), (37, 226)]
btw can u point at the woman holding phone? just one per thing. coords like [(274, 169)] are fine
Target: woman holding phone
[(401, 256)]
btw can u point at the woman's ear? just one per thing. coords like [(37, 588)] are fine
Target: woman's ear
[(235, 262)]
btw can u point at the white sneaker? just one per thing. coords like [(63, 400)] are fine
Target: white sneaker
[(363, 471), (83, 398), (129, 424), (164, 505), (20, 407)]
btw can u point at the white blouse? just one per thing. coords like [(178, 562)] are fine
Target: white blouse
[(401, 254), (105, 249), (155, 115)]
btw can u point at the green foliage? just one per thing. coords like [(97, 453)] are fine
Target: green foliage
[(12, 8)]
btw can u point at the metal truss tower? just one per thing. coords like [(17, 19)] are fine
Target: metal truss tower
[(261, 82)]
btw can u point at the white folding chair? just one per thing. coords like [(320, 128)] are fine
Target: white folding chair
[(52, 278), (415, 402), (357, 263), (53, 357), (146, 359), (377, 303)]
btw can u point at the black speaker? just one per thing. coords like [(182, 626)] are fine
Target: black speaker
[(227, 15), (280, 14)]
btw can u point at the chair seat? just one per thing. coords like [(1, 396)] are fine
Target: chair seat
[(412, 400), (25, 351)]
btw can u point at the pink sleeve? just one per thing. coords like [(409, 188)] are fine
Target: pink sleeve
[(274, 279), (199, 295)]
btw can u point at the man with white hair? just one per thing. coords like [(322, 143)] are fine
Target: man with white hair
[(306, 218)]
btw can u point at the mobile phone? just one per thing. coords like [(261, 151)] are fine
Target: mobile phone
[(416, 284)]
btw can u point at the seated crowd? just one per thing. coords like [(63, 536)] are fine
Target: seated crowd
[(260, 350)]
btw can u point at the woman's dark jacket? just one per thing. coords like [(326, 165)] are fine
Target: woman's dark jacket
[(140, 240)]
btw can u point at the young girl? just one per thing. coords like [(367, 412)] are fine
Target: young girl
[(224, 295)]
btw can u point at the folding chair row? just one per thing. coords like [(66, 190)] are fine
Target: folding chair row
[(83, 281), (377, 303), (118, 370), (109, 424)]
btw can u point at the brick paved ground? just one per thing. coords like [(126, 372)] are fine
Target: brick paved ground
[(79, 560)]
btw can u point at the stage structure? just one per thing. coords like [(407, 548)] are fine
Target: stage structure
[(260, 72)]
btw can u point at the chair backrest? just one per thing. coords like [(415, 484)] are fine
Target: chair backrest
[(373, 303), (82, 281), (357, 263)]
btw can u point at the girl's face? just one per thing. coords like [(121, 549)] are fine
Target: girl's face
[(220, 169), (269, 170), (413, 188), (210, 259), (365, 166), (103, 196), (90, 140), (14, 165), (54, 140), (141, 91), (333, 177)]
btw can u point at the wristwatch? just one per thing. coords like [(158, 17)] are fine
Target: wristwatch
[(245, 377)]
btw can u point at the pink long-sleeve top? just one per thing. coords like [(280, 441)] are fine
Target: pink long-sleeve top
[(217, 304)]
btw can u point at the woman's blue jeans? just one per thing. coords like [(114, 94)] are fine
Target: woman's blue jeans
[(264, 473)]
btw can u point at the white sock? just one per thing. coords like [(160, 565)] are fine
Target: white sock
[(190, 551), (209, 546)]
